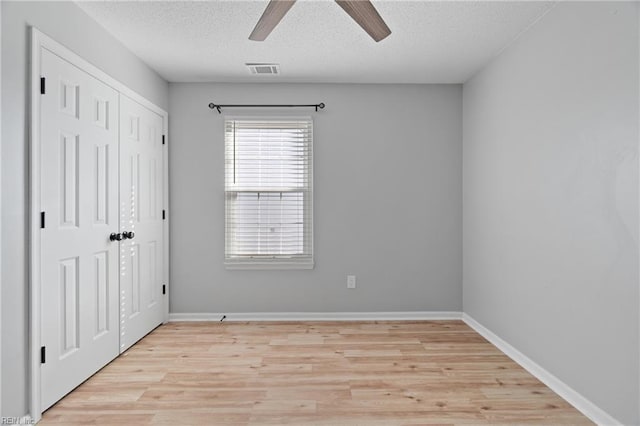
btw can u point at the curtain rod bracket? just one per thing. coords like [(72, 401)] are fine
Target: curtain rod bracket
[(219, 107)]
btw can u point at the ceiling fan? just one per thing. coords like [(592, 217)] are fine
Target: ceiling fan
[(362, 11)]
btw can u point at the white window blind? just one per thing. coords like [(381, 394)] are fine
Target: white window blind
[(268, 193)]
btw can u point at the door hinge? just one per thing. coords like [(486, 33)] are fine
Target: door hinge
[(164, 214), (164, 289), (163, 140), (43, 354), (42, 85), (41, 220)]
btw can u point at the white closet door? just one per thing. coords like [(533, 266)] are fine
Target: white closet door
[(79, 198), (141, 195)]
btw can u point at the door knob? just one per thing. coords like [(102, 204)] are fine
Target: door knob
[(115, 237), (128, 235)]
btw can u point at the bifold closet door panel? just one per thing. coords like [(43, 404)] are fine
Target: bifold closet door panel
[(141, 197), (79, 201)]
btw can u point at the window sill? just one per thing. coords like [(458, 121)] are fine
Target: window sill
[(262, 265)]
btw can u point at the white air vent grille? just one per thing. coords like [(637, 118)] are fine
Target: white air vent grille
[(264, 69)]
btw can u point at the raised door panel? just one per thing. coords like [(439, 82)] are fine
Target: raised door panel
[(141, 189), (79, 197)]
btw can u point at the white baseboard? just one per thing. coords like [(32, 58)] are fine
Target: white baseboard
[(582, 404), (318, 316)]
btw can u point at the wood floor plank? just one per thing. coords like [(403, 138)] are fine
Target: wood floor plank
[(313, 373)]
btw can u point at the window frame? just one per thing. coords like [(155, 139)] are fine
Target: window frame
[(276, 262)]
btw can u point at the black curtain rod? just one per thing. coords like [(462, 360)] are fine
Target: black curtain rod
[(316, 106)]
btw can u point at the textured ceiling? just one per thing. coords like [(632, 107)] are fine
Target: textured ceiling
[(431, 42)]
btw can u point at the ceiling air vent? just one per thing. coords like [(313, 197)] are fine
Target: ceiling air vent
[(264, 69)]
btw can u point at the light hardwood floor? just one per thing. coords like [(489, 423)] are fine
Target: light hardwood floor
[(316, 373)]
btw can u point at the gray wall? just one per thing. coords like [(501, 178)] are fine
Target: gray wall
[(67, 24), (551, 199), (387, 201)]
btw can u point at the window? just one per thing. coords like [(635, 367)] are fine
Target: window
[(268, 193)]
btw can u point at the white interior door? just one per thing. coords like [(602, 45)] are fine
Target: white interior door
[(141, 200), (79, 200)]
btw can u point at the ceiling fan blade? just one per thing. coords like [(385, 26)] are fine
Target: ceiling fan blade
[(363, 12), (275, 11)]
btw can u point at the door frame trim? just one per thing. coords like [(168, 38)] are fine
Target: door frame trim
[(40, 41)]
